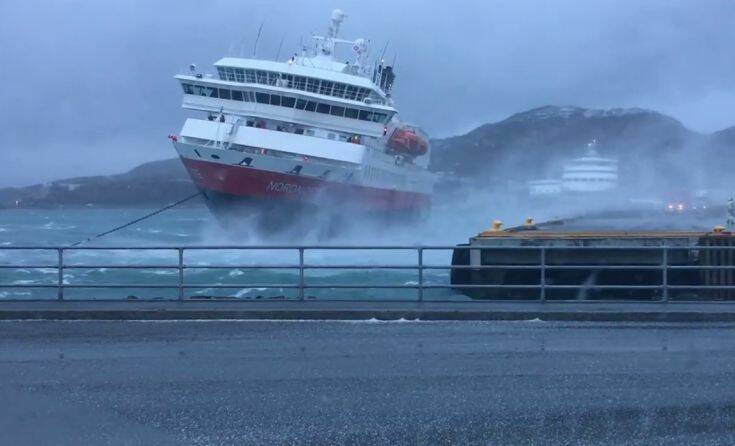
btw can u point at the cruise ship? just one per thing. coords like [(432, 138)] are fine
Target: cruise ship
[(309, 131), (589, 174)]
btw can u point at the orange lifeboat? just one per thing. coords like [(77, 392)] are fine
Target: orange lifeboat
[(406, 141)]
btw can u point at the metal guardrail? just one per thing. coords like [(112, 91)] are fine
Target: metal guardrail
[(301, 286)]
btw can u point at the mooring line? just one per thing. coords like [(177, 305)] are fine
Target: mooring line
[(138, 220)]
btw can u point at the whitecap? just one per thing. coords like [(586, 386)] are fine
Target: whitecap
[(24, 282), (235, 273), (57, 227), (245, 291), (162, 272)]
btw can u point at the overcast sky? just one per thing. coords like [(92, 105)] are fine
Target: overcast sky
[(86, 86)]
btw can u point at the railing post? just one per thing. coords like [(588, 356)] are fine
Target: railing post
[(421, 274), (60, 284), (542, 281), (301, 273), (665, 273), (181, 273)]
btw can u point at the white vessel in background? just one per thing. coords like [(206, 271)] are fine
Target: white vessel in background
[(589, 174), (308, 131)]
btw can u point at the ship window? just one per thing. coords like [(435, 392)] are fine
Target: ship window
[(330, 135), (201, 91), (310, 132), (362, 94), (275, 99), (299, 131), (230, 74), (322, 108), (312, 85), (287, 101), (366, 115), (337, 111), (239, 75), (272, 78), (378, 117), (250, 76), (311, 106), (224, 94), (326, 88), (299, 82), (301, 104), (262, 77), (188, 89), (351, 92), (286, 80), (211, 92), (339, 90), (221, 73), (351, 113), (262, 98), (236, 95)]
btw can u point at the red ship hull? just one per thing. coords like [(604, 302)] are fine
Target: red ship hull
[(273, 187)]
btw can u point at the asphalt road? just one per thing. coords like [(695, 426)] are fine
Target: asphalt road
[(247, 382)]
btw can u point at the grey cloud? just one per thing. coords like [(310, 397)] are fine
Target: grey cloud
[(87, 86)]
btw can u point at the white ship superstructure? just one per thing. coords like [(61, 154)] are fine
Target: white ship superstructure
[(309, 129), (590, 173)]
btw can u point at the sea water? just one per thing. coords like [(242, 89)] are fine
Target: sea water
[(195, 227)]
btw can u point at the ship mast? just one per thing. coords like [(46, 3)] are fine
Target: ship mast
[(327, 44)]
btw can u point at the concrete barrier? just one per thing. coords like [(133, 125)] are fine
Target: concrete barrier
[(360, 310)]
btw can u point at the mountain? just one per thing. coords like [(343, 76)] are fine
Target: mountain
[(150, 184), (724, 138), (534, 144)]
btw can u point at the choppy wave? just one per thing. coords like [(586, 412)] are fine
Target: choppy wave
[(57, 226), (25, 282), (245, 291), (161, 272)]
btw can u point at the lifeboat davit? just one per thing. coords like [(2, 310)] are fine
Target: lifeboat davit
[(406, 141)]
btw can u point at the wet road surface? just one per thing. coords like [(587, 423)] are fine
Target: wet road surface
[(247, 382)]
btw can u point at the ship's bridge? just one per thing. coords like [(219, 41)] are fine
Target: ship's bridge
[(302, 73), (309, 93)]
